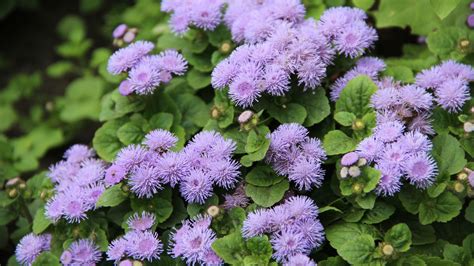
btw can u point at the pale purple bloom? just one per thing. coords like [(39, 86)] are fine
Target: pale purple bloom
[(277, 80), (385, 98), (369, 148), (306, 173), (390, 181), (143, 245), (173, 62), (452, 94), (257, 223), (117, 249), (287, 135), (128, 57), (414, 142), (223, 74), (394, 153), (144, 77), (470, 178), (144, 181), (141, 222), (131, 156), (287, 244), (30, 247), (388, 132), (82, 252), (224, 173), (354, 39), (310, 73), (160, 140), (244, 91), (349, 159), (236, 199), (119, 31), (312, 231), (420, 169), (78, 153), (416, 97), (335, 19), (129, 36), (196, 187), (422, 123), (172, 168), (299, 260), (125, 87), (114, 174)]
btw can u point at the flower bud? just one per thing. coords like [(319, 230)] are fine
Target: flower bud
[(215, 112), (22, 186), (129, 36), (459, 187), (49, 106), (358, 124), (125, 188), (137, 263), (462, 176), (387, 249), (126, 263), (13, 193), (464, 44), (119, 31), (357, 188), (213, 211), (468, 127), (354, 171), (225, 48), (125, 88), (470, 21), (13, 182), (344, 172), (362, 162), (245, 117)]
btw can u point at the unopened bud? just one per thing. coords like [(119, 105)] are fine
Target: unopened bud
[(472, 110), (358, 124), (22, 186), (245, 117), (49, 106), (13, 193), (357, 188), (43, 195), (462, 176), (76, 232), (459, 187), (13, 182), (354, 171), (468, 127), (387, 249), (129, 36), (125, 87), (464, 44), (126, 263), (213, 211), (362, 162), (215, 113), (125, 188), (119, 31), (344, 172), (225, 47), (137, 263)]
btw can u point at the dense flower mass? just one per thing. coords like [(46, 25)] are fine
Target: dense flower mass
[(78, 183), (139, 243), (31, 246), (192, 242), (204, 162), (292, 153), (293, 226), (280, 43), (81, 252), (145, 71)]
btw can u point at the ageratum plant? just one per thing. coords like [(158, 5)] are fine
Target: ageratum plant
[(274, 132)]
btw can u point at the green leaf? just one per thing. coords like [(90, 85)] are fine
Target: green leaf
[(468, 246), (267, 196), (401, 73), (371, 177), (358, 250), (316, 104), (6, 216), (290, 113), (82, 99), (337, 142), (194, 110), (453, 253), (111, 197), (355, 97), (130, 133), (230, 248), (198, 80), (469, 213), (40, 222), (381, 212), (263, 176), (364, 4), (260, 248), (8, 115), (160, 205), (399, 236), (59, 69), (448, 154), (72, 28), (436, 261), (441, 209), (106, 142), (257, 139), (194, 208), (46, 258), (422, 234), (114, 105), (161, 120), (366, 201), (442, 8), (339, 234), (445, 41), (411, 199), (345, 118)]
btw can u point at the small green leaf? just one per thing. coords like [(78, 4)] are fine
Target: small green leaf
[(355, 97), (316, 104), (230, 247), (40, 222), (106, 142), (161, 120), (82, 99), (263, 176), (257, 139), (337, 142), (453, 253), (358, 250), (59, 69), (442, 8), (130, 133), (345, 118), (366, 201), (198, 80), (364, 4), (339, 234), (381, 212), (448, 154), (469, 213), (46, 258), (441, 209), (267, 196), (290, 113), (114, 105), (111, 197), (399, 236)]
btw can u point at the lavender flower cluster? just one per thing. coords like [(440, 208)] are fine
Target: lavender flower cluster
[(292, 153), (145, 72), (204, 162), (78, 183), (203, 14), (192, 242), (293, 226), (140, 242), (81, 252), (281, 43), (31, 246)]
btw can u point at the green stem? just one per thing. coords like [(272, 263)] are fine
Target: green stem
[(24, 209)]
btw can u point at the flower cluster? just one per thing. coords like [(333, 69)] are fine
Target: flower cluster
[(192, 242), (204, 162), (369, 66), (81, 252), (202, 14), (236, 199), (281, 43), (122, 33), (31, 246), (79, 182), (140, 242), (292, 153), (293, 225), (145, 72), (449, 82)]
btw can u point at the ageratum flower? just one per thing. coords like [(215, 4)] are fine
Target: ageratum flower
[(143, 245), (81, 252), (287, 244), (196, 187), (78, 153), (236, 199), (160, 140), (31, 246), (117, 249), (144, 181), (257, 223), (299, 260), (141, 222), (126, 58), (420, 169)]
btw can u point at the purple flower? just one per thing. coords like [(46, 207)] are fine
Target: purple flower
[(393, 153), (244, 91), (420, 169), (129, 36), (306, 173), (196, 187), (289, 10), (179, 23), (141, 222), (414, 142), (470, 178), (421, 123), (388, 132), (78, 153), (311, 72), (119, 31), (143, 245), (160, 140), (451, 69), (172, 168), (223, 74), (117, 249), (385, 98), (370, 65), (128, 57), (236, 199), (335, 19), (301, 207), (312, 230), (299, 260), (144, 76), (82, 252), (390, 182), (277, 80), (172, 62), (257, 223), (416, 97), (370, 148), (114, 174), (349, 159), (354, 39), (287, 244), (125, 87), (206, 14), (30, 247), (131, 156), (144, 181), (224, 173), (287, 135), (452, 94)]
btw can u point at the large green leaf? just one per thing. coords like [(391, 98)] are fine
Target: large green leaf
[(105, 142), (399, 236), (355, 97), (448, 154), (442, 8), (337, 142), (358, 250), (269, 195), (316, 104), (40, 222), (111, 197), (441, 209)]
